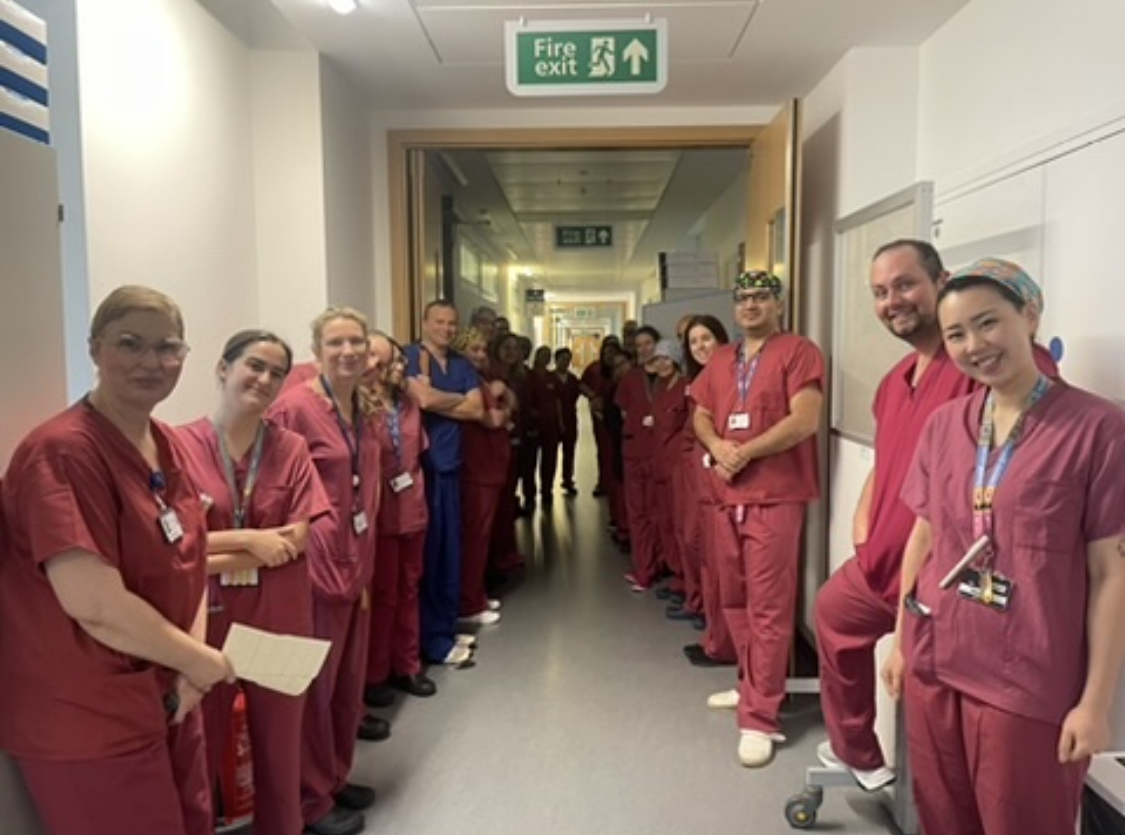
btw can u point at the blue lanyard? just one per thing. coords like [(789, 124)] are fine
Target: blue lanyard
[(746, 372), (394, 426), (353, 449), (985, 484), (240, 500)]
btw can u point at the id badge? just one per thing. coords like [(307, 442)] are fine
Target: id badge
[(648, 421), (986, 587), (170, 525), (359, 522), (739, 420), (246, 577), (401, 482)]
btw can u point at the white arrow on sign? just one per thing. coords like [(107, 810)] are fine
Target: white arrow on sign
[(635, 53)]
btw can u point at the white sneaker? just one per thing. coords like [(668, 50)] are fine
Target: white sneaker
[(494, 604), (465, 640), (484, 618), (870, 781), (460, 654), (723, 700), (755, 749)]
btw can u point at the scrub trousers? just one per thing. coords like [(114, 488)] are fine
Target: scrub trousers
[(758, 548), (160, 788), (850, 620), (441, 577), (394, 647)]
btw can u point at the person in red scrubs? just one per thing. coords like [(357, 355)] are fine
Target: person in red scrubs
[(103, 604), (331, 415), (758, 405), (1009, 641), (394, 659), (544, 429), (570, 391), (702, 335), (634, 397), (669, 411), (484, 474), (263, 490), (594, 382), (503, 551)]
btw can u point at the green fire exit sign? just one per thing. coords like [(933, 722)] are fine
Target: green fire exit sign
[(586, 58)]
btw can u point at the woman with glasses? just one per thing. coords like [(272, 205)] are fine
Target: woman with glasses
[(331, 415), (262, 491), (1013, 578), (102, 595)]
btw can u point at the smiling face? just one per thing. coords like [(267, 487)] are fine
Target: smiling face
[(342, 350), (988, 337), (757, 311), (905, 294), (439, 325), (139, 357), (644, 344), (252, 380), (702, 343), (476, 352)]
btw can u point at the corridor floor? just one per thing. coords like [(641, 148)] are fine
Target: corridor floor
[(581, 716)]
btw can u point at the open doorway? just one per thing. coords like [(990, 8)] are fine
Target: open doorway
[(457, 249)]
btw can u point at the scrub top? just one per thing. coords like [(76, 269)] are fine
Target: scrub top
[(458, 377)]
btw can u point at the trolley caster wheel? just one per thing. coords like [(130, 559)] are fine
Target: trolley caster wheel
[(800, 810)]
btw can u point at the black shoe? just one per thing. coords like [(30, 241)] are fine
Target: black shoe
[(599, 491), (373, 729), (355, 797), (663, 593), (547, 500), (338, 821), (570, 489), (676, 598), (416, 685), (696, 655), (699, 622), (678, 613), (378, 695)]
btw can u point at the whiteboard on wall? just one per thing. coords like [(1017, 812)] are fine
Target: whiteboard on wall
[(862, 348), (664, 315)]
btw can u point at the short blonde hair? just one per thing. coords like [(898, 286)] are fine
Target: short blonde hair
[(469, 336), (132, 298), (333, 313)]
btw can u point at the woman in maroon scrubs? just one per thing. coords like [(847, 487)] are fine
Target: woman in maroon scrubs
[(263, 490), (102, 604)]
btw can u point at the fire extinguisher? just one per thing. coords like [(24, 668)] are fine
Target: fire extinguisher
[(234, 800)]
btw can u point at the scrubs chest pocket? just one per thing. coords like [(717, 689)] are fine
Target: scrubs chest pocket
[(1048, 516)]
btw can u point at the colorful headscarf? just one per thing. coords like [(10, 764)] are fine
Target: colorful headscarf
[(1006, 274), (758, 280)]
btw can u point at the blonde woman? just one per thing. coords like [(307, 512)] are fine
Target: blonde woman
[(329, 412)]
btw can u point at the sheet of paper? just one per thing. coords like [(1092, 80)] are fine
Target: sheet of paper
[(285, 663)]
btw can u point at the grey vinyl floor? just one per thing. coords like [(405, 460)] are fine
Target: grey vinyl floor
[(582, 716)]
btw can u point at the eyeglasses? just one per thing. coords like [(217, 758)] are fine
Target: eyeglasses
[(756, 296), (170, 352)]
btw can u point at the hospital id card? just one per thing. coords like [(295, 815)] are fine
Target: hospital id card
[(401, 482), (648, 421), (359, 522), (986, 587), (738, 420), (170, 525)]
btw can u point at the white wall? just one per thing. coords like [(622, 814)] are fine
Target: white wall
[(288, 183), (167, 159), (348, 218)]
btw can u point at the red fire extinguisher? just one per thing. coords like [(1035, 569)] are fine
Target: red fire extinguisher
[(234, 803)]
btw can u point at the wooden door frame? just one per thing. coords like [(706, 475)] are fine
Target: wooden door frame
[(406, 293)]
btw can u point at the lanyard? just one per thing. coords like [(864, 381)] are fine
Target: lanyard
[(985, 483), (157, 483), (241, 500), (353, 449), (394, 426), (746, 372)]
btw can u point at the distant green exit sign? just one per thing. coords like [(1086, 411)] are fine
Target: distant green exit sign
[(583, 236), (586, 58)]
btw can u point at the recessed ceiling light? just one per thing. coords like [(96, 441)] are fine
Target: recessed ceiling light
[(342, 6)]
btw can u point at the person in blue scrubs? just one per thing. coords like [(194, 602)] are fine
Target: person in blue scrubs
[(445, 385)]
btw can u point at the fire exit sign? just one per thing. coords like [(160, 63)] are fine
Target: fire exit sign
[(586, 58), (583, 236)]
